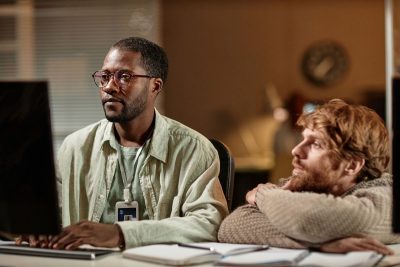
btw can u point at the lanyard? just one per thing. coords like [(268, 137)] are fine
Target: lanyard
[(128, 181)]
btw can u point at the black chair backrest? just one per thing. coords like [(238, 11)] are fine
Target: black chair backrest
[(227, 170)]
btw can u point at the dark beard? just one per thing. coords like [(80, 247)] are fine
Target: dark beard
[(130, 111)]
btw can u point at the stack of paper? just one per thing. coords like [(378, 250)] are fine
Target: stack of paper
[(222, 254), (351, 259), (187, 254), (270, 257)]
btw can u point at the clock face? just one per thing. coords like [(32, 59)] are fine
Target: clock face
[(325, 63)]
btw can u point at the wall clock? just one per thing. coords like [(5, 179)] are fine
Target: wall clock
[(325, 63)]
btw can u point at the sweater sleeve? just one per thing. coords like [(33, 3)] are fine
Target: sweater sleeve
[(247, 225), (316, 218)]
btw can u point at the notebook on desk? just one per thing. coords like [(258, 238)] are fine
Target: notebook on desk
[(28, 193), (188, 254), (240, 255), (301, 257)]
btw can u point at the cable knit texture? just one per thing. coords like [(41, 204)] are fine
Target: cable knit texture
[(297, 219), (250, 226)]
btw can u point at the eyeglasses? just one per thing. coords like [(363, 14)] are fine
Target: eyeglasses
[(121, 77)]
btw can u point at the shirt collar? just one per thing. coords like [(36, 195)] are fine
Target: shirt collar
[(108, 140), (159, 140)]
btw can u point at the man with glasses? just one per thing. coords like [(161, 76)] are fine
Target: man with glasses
[(136, 177)]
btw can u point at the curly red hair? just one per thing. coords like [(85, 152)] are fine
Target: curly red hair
[(352, 131)]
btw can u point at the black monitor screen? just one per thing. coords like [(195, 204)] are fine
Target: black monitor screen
[(28, 196), (396, 153)]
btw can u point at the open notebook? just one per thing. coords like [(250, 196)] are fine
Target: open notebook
[(188, 254), (222, 254), (299, 257)]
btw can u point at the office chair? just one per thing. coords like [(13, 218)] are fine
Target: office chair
[(227, 170)]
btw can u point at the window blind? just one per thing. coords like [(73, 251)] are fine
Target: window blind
[(64, 42)]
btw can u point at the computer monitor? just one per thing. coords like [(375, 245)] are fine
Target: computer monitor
[(28, 194), (396, 153)]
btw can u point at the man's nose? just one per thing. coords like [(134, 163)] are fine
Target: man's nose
[(298, 150), (111, 86)]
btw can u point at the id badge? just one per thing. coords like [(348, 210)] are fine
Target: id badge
[(126, 211)]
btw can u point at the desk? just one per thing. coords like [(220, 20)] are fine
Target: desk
[(111, 260), (116, 259)]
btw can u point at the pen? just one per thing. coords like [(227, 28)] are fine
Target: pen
[(246, 250), (230, 252), (197, 247)]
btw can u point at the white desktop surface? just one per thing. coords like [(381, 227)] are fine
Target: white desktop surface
[(114, 259)]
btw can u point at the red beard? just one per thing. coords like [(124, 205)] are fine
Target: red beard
[(311, 180)]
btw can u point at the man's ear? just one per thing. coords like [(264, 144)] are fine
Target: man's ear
[(354, 166), (157, 85)]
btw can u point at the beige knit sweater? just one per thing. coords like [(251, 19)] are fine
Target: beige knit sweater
[(300, 219)]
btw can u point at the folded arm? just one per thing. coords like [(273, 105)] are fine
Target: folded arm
[(248, 225), (318, 218)]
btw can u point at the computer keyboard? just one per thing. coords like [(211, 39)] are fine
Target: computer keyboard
[(81, 253)]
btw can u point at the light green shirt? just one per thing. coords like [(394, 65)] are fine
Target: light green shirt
[(178, 177), (117, 186)]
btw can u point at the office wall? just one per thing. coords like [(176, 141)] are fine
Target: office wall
[(64, 42), (223, 54)]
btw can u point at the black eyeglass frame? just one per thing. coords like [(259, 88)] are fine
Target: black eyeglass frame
[(116, 79)]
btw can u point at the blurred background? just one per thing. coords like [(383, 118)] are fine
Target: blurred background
[(240, 71)]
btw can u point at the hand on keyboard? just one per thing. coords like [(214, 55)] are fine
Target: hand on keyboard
[(39, 241), (85, 232)]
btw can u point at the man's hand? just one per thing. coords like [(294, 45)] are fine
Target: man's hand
[(85, 232), (356, 244), (41, 241), (251, 195)]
